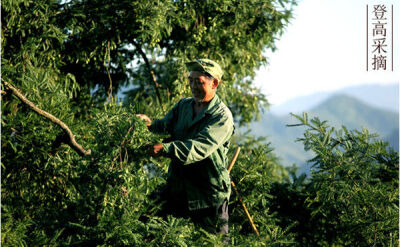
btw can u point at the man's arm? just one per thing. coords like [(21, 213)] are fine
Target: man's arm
[(164, 125), (217, 132)]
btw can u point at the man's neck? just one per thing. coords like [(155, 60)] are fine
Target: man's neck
[(200, 105), (203, 103)]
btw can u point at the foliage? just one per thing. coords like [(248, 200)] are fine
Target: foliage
[(255, 171), (96, 40), (351, 197), (105, 199)]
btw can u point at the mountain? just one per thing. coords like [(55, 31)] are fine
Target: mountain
[(381, 96), (353, 113), (338, 110)]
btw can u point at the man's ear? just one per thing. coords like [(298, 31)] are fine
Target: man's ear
[(215, 83)]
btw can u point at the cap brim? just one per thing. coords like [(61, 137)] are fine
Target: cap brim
[(194, 66)]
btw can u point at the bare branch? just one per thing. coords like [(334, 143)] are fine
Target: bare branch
[(71, 137)]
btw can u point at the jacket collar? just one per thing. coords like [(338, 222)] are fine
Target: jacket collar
[(210, 109), (212, 106)]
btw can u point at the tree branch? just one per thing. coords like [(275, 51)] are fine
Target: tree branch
[(71, 137), (153, 76)]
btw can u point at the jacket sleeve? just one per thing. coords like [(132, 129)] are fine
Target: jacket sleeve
[(165, 125), (215, 134)]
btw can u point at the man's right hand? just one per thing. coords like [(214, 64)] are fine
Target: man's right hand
[(144, 118)]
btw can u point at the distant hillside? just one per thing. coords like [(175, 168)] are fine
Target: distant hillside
[(381, 96), (353, 113), (338, 110)]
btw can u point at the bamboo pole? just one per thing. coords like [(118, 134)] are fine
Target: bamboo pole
[(235, 155)]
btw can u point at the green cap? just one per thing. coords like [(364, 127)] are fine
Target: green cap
[(206, 65)]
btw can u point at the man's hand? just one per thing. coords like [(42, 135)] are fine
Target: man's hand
[(144, 118), (155, 150)]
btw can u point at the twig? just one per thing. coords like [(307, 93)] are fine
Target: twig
[(122, 144), (153, 76), (236, 154), (71, 137)]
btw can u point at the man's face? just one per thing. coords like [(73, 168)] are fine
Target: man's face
[(203, 88)]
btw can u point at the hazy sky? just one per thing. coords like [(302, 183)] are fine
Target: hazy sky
[(323, 49)]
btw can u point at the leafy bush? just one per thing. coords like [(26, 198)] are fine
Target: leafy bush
[(352, 195)]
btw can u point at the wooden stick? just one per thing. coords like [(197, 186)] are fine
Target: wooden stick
[(235, 155), (71, 137), (246, 211)]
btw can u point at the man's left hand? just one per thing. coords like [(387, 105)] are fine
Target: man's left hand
[(155, 150)]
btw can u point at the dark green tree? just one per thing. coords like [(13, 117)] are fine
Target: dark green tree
[(56, 54), (143, 45)]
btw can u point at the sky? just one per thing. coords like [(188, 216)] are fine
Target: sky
[(324, 49)]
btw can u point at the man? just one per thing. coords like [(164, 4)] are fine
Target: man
[(198, 183)]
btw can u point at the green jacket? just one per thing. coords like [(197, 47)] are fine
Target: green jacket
[(198, 152)]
